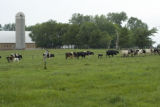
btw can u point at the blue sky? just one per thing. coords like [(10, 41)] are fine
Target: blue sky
[(37, 11)]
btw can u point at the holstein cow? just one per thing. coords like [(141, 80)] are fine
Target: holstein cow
[(130, 52), (141, 52), (133, 52), (148, 51), (14, 58), (156, 51), (125, 53), (111, 53), (48, 55)]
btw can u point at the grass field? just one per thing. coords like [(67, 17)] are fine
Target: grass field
[(90, 82)]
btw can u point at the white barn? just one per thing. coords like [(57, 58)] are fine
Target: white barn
[(8, 40)]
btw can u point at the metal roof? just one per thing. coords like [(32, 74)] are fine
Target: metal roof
[(9, 37)]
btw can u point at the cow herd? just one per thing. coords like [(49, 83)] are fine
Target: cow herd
[(16, 57), (138, 52), (133, 52), (78, 54), (111, 53)]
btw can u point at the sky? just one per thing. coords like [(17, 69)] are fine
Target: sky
[(38, 11)]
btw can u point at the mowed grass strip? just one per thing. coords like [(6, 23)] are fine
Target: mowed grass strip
[(89, 82)]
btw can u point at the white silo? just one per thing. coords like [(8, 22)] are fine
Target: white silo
[(20, 31)]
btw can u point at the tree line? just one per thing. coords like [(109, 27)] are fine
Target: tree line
[(114, 30), (8, 27)]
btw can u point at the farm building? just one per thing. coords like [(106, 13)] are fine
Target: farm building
[(8, 40)]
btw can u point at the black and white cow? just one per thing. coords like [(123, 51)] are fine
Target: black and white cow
[(14, 57), (49, 55), (156, 51)]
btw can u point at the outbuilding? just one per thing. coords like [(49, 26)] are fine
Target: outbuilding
[(8, 40)]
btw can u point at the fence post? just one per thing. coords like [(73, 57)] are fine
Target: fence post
[(45, 61)]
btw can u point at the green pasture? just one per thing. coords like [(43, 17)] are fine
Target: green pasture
[(89, 82)]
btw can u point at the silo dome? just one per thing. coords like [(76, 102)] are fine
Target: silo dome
[(20, 14)]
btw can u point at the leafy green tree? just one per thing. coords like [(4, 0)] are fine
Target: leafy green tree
[(117, 18), (135, 23), (76, 19), (105, 40), (142, 37), (9, 27), (79, 19), (84, 34), (140, 33), (69, 38), (94, 39), (44, 34), (124, 40), (104, 25)]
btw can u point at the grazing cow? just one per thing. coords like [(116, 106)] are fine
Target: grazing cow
[(156, 51), (125, 53), (78, 54), (49, 55), (14, 58), (89, 53), (141, 51), (82, 54), (69, 54), (0, 57), (100, 56), (133, 52), (111, 52), (18, 56), (148, 51), (9, 58)]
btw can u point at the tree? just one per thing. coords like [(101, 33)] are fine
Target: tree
[(135, 23), (76, 19), (79, 19), (69, 38), (117, 18), (9, 27), (44, 34), (140, 33), (142, 37), (124, 40)]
